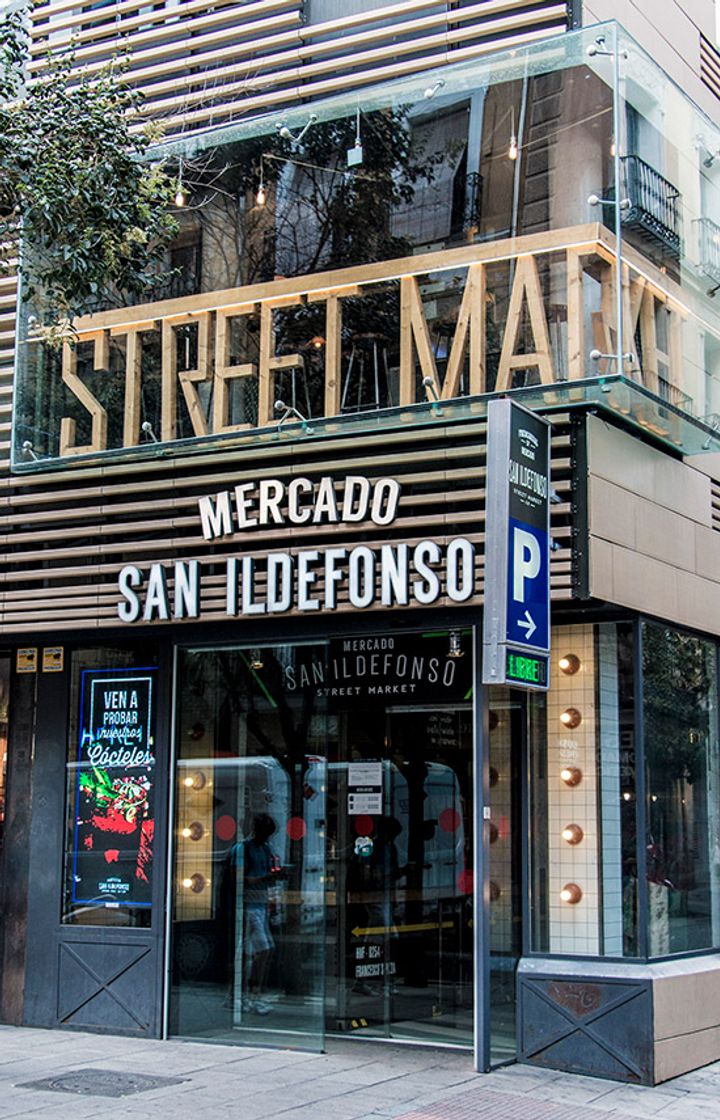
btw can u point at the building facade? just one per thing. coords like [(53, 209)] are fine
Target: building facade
[(257, 787)]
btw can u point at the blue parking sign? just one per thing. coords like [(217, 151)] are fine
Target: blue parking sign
[(527, 621), (516, 614)]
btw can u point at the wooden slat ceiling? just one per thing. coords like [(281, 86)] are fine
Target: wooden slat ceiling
[(70, 532), (206, 61)]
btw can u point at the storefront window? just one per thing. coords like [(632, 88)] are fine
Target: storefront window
[(110, 790), (681, 755), (323, 841), (583, 866)]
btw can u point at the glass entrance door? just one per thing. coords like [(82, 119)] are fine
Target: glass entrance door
[(248, 933), (322, 875), (400, 929)]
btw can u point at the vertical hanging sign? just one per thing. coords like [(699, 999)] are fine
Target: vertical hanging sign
[(516, 620)]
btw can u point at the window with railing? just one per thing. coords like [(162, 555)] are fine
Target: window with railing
[(654, 210)]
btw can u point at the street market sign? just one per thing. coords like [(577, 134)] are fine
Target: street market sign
[(516, 620)]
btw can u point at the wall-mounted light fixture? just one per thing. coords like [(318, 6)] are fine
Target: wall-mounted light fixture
[(195, 883), (195, 781), (194, 831), (147, 429), (571, 718), (571, 775), (572, 834), (455, 649), (569, 664), (571, 893)]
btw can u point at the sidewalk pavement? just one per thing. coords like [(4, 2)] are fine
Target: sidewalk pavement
[(353, 1081)]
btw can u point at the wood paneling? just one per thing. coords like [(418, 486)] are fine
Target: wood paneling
[(204, 62), (71, 531)]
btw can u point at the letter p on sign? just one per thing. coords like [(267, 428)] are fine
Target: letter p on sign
[(526, 561)]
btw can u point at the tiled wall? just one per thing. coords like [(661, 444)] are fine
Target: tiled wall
[(574, 928)]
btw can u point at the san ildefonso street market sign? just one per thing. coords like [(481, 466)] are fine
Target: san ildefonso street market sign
[(306, 579)]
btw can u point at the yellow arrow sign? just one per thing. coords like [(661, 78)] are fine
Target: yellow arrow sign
[(370, 930)]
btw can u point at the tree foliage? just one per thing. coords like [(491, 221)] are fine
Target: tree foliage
[(95, 215)]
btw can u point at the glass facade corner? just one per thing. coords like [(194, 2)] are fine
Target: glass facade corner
[(339, 263), (624, 801)]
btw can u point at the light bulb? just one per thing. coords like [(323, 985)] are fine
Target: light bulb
[(571, 718), (513, 149), (187, 883), (571, 893), (186, 833), (569, 664), (571, 775), (260, 196), (187, 782), (572, 833)]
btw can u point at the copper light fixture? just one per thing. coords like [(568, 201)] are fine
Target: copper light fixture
[(571, 718), (571, 893), (572, 834), (571, 775)]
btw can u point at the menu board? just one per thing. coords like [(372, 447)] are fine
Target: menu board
[(114, 819)]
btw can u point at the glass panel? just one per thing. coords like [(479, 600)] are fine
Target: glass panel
[(248, 936), (681, 751), (507, 715), (443, 176), (110, 790), (583, 864), (359, 751), (409, 898), (668, 152)]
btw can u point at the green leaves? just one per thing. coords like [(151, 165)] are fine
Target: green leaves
[(95, 217)]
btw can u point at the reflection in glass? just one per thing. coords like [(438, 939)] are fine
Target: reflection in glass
[(681, 748), (507, 715), (330, 884)]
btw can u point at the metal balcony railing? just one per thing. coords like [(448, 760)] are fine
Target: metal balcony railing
[(709, 238), (655, 204)]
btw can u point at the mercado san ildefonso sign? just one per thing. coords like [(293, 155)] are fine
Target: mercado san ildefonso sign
[(306, 579)]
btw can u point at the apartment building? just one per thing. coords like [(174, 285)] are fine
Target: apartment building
[(262, 782)]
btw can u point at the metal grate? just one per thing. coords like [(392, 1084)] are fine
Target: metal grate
[(101, 1083)]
